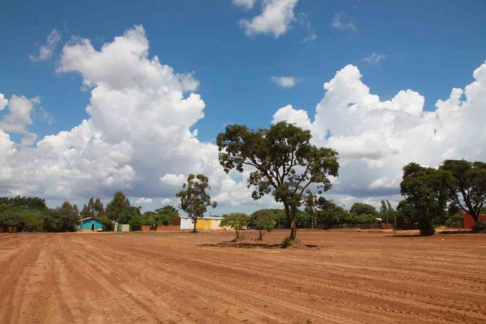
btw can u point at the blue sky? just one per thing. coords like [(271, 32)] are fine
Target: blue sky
[(429, 47)]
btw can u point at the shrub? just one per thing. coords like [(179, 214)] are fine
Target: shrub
[(426, 227), (455, 221), (288, 242), (479, 227)]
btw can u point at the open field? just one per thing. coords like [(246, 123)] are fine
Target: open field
[(344, 277)]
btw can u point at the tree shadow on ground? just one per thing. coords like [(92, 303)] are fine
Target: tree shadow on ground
[(247, 245), (456, 232)]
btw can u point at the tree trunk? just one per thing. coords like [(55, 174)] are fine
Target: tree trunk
[(293, 230), (194, 220), (261, 235), (288, 215)]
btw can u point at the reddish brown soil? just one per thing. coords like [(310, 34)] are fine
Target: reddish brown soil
[(342, 277)]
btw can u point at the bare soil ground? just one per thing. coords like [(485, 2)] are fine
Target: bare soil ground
[(340, 277)]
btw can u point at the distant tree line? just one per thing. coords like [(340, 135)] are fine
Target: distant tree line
[(31, 214)]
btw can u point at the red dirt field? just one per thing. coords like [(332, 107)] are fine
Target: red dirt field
[(342, 277)]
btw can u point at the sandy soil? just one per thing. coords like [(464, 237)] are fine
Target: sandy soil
[(341, 277)]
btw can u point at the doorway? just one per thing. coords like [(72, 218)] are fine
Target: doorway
[(92, 227)]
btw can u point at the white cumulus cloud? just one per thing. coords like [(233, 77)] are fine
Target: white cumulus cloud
[(376, 138), (3, 101), (284, 81), (47, 49), (275, 19), (138, 138)]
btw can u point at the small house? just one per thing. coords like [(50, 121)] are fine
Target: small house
[(90, 224)]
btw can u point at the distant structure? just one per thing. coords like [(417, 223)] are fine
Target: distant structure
[(90, 224), (469, 220), (203, 224)]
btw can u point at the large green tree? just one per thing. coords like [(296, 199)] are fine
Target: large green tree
[(469, 188), (194, 197), (363, 209), (427, 189), (94, 208), (118, 205), (282, 162)]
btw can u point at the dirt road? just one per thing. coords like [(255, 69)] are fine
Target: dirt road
[(343, 277)]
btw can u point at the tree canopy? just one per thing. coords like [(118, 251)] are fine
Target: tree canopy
[(236, 221), (194, 197), (281, 160), (427, 189), (469, 188)]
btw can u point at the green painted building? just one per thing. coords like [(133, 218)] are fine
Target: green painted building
[(90, 224)]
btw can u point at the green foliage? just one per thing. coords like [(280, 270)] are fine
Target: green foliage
[(288, 242), (106, 222), (94, 208), (428, 190), (165, 214), (479, 227), (407, 216), (128, 213), (116, 209), (263, 220), (363, 209), (63, 219), (455, 221), (236, 221), (426, 227), (283, 161), (24, 203), (468, 189), (194, 198)]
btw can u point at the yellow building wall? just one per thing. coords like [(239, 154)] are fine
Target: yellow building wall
[(203, 224)]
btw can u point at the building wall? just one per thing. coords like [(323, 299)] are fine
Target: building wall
[(124, 227), (87, 224), (469, 220), (186, 224)]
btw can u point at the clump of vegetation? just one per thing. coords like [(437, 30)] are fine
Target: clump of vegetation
[(479, 227), (263, 221), (288, 242), (427, 190), (236, 221), (194, 197), (455, 221)]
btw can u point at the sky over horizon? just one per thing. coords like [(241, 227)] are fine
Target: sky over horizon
[(100, 97)]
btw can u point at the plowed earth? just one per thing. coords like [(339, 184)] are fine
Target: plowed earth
[(340, 277)]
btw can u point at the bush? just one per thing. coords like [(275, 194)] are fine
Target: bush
[(426, 227), (479, 227), (287, 242), (455, 221)]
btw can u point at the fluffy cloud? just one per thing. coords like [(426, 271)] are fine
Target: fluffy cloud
[(377, 138), (18, 118), (139, 137), (3, 101), (144, 201), (275, 19), (374, 58), (341, 22), (284, 81), (47, 50)]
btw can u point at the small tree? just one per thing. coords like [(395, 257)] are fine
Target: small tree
[(282, 161), (264, 221), (116, 206), (236, 221), (427, 189), (194, 198), (469, 188)]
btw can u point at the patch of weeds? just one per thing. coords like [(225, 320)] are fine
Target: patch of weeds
[(287, 242)]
